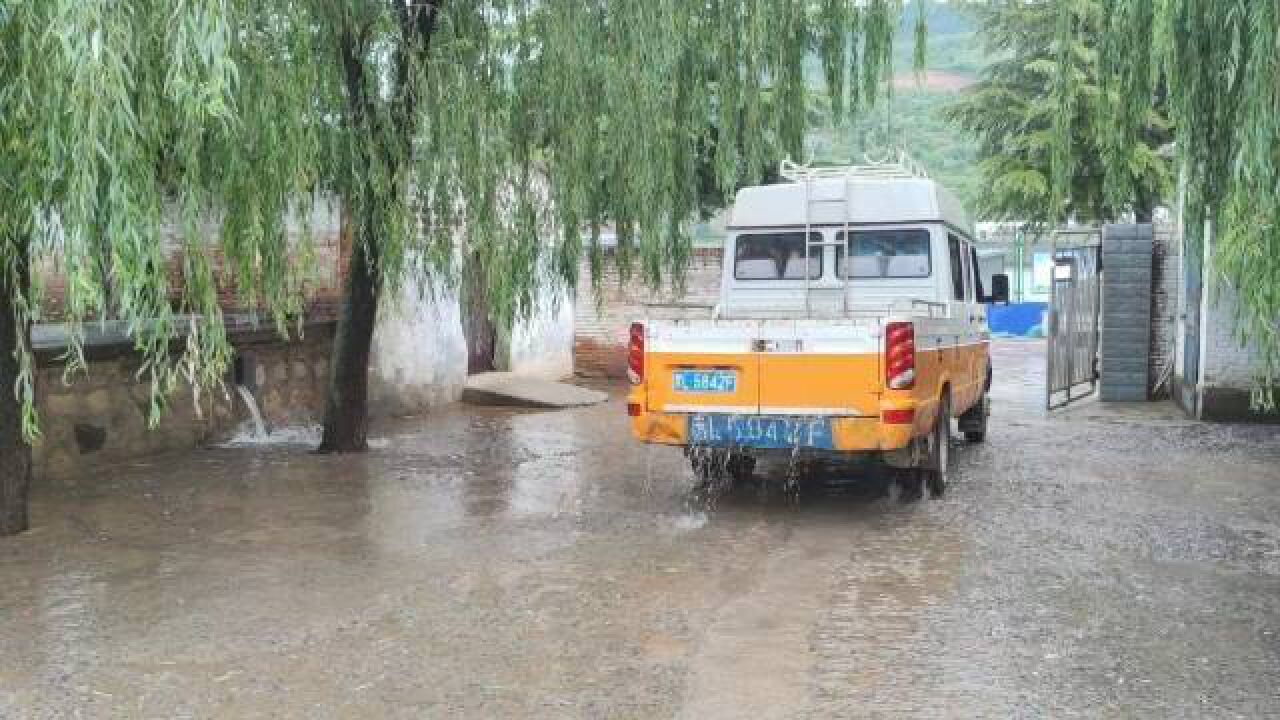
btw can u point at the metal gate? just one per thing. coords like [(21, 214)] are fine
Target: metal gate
[(1074, 311)]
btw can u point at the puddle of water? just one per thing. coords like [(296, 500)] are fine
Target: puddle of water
[(248, 435), (689, 522)]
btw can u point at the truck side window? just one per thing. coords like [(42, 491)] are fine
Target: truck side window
[(957, 267), (885, 254)]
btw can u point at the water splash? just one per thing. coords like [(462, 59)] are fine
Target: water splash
[(687, 522), (250, 436), (305, 434), (712, 476), (259, 427)]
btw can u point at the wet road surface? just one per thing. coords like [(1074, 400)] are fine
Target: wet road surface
[(1103, 562)]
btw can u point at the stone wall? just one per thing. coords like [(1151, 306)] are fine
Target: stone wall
[(601, 324), (100, 417)]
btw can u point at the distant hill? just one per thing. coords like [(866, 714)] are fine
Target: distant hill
[(914, 118), (943, 19)]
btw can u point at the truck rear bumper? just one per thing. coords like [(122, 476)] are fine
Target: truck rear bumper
[(847, 434)]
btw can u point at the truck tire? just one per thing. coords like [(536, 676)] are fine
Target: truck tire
[(973, 423), (935, 468)]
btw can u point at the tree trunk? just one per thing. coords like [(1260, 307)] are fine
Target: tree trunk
[(15, 453), (346, 413), (1144, 206), (1143, 211), (477, 327)]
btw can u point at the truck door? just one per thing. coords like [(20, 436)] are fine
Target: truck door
[(962, 357)]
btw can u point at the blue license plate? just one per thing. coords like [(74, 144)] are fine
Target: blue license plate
[(758, 431), (705, 381)]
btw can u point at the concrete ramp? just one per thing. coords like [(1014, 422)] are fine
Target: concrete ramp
[(512, 390)]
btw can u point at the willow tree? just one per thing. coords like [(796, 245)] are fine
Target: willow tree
[(120, 120), (472, 130), (451, 132), (1013, 112), (1220, 59)]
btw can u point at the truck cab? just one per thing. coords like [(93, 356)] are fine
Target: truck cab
[(852, 320)]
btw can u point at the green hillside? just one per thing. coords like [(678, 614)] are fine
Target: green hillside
[(913, 118)]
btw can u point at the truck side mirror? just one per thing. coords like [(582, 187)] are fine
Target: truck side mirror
[(999, 290)]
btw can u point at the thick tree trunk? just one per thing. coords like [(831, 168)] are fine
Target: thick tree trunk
[(346, 413), (1144, 207), (15, 453), (346, 416)]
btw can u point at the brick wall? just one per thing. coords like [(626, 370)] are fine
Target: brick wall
[(1127, 252), (601, 323), (1228, 367), (331, 249), (1228, 363), (1164, 307), (1139, 311)]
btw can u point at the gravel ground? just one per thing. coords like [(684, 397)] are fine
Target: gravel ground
[(1105, 561)]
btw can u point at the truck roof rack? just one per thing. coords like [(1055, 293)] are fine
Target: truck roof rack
[(900, 165)]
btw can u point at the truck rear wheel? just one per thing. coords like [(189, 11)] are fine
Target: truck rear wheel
[(934, 470), (937, 469), (973, 423)]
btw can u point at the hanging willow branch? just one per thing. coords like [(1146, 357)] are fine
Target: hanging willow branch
[(457, 134), (1219, 62)]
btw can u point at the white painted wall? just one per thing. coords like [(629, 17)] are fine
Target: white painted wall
[(419, 358), (542, 345), (419, 355)]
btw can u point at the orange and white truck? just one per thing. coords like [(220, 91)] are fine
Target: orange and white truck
[(852, 320)]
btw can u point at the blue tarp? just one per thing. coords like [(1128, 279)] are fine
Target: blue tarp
[(1017, 319)]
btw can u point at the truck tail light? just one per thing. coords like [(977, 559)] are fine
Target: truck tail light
[(899, 417), (900, 355), (635, 354)]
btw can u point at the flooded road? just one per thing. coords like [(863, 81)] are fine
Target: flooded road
[(1102, 562)]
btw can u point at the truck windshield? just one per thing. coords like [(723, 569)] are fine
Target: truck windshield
[(775, 256), (886, 254)]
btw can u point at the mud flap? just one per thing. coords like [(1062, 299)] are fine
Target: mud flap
[(975, 418), (910, 456)]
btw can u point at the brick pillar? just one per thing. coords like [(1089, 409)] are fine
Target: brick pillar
[(1127, 252)]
